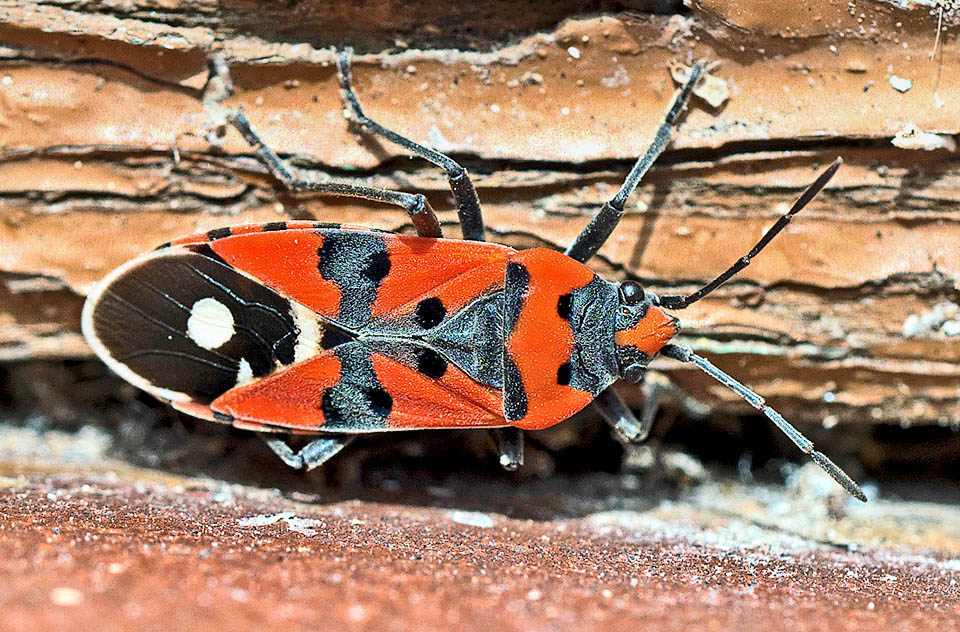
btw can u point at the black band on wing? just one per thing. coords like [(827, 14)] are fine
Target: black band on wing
[(356, 262)]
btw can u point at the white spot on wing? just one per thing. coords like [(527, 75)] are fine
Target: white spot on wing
[(245, 373), (210, 324), (308, 342)]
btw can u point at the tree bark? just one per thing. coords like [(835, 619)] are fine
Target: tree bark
[(110, 145)]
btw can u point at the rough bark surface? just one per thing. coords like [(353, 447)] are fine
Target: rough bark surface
[(108, 115)]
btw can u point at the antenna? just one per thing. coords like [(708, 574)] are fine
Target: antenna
[(680, 302), (684, 354)]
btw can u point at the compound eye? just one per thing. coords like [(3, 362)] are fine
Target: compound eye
[(634, 373), (631, 292)]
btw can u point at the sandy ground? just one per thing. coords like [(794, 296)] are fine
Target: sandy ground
[(87, 542)]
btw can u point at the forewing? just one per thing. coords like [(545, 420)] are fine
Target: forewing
[(359, 387), (363, 280)]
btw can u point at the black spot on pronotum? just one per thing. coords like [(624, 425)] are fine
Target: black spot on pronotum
[(218, 233), (270, 227), (564, 374), (378, 266), (564, 305), (332, 338), (431, 363), (429, 312)]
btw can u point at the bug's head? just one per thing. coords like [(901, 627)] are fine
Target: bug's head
[(642, 329)]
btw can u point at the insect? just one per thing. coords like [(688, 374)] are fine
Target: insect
[(333, 330)]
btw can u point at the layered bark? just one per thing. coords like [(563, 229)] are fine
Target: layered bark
[(108, 126)]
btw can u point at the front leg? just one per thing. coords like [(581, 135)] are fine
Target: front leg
[(624, 423), (599, 228)]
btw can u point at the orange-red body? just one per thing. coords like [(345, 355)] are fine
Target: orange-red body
[(338, 329)]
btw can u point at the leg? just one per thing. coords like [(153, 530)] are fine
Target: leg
[(633, 431), (312, 455), (416, 205), (596, 232), (656, 384), (509, 442), (624, 423), (616, 413), (468, 205), (652, 392)]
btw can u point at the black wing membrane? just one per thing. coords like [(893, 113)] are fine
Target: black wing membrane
[(141, 319)]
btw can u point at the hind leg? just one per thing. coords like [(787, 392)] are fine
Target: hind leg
[(312, 455), (468, 204), (509, 441), (416, 205)]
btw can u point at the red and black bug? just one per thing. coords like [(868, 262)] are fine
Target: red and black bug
[(333, 330)]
